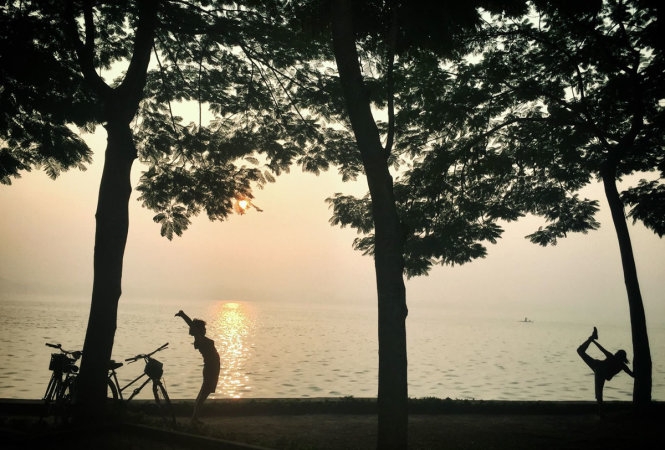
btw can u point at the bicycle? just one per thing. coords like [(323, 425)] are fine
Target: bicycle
[(60, 389), (153, 370)]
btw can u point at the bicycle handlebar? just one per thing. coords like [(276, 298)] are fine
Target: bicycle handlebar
[(161, 348), (146, 355), (76, 354)]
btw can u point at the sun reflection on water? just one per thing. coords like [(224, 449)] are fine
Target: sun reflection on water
[(232, 329)]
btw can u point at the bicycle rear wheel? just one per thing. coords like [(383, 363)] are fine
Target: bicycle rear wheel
[(111, 390), (163, 402), (114, 403)]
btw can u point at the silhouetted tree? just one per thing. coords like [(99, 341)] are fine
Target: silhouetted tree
[(460, 183), (115, 107), (541, 106), (372, 42), (69, 45), (595, 81)]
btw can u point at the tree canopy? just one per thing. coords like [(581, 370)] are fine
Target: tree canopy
[(518, 125), (129, 65), (37, 105), (537, 109)]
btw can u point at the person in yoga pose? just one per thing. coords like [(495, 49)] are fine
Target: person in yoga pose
[(605, 369), (211, 364)]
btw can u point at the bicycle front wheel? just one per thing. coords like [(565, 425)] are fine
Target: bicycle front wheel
[(65, 394), (65, 398), (51, 389), (163, 402), (51, 395)]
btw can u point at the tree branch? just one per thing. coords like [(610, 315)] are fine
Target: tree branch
[(85, 52), (390, 79), (135, 77)]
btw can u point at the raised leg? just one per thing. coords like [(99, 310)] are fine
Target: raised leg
[(581, 350)]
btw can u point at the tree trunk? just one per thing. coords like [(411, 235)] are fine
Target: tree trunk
[(120, 105), (388, 258), (641, 352), (112, 218), (389, 266)]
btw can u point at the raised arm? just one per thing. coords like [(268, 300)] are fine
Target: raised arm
[(185, 317)]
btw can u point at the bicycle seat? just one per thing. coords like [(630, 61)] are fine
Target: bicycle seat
[(114, 365)]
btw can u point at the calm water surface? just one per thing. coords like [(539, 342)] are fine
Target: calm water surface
[(311, 350)]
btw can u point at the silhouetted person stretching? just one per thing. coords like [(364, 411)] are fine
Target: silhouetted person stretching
[(603, 369), (206, 346)]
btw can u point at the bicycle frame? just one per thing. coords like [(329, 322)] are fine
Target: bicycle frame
[(63, 367), (114, 377), (152, 371), (59, 391)]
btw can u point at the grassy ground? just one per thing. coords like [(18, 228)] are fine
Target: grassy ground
[(330, 424)]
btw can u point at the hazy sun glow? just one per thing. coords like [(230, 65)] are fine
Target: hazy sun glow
[(233, 331), (241, 205)]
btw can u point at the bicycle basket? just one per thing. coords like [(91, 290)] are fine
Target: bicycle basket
[(59, 362), (154, 369)]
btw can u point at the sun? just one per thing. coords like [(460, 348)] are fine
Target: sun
[(242, 205)]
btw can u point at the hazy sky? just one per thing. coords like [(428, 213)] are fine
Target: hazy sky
[(291, 252)]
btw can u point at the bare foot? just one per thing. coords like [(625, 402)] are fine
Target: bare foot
[(594, 335)]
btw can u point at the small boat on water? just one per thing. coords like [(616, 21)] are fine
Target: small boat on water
[(526, 320)]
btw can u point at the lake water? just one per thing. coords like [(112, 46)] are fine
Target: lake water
[(313, 350)]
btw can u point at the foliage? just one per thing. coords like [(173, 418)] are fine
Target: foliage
[(590, 84), (257, 99), (240, 99), (647, 201), (37, 105), (518, 126)]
